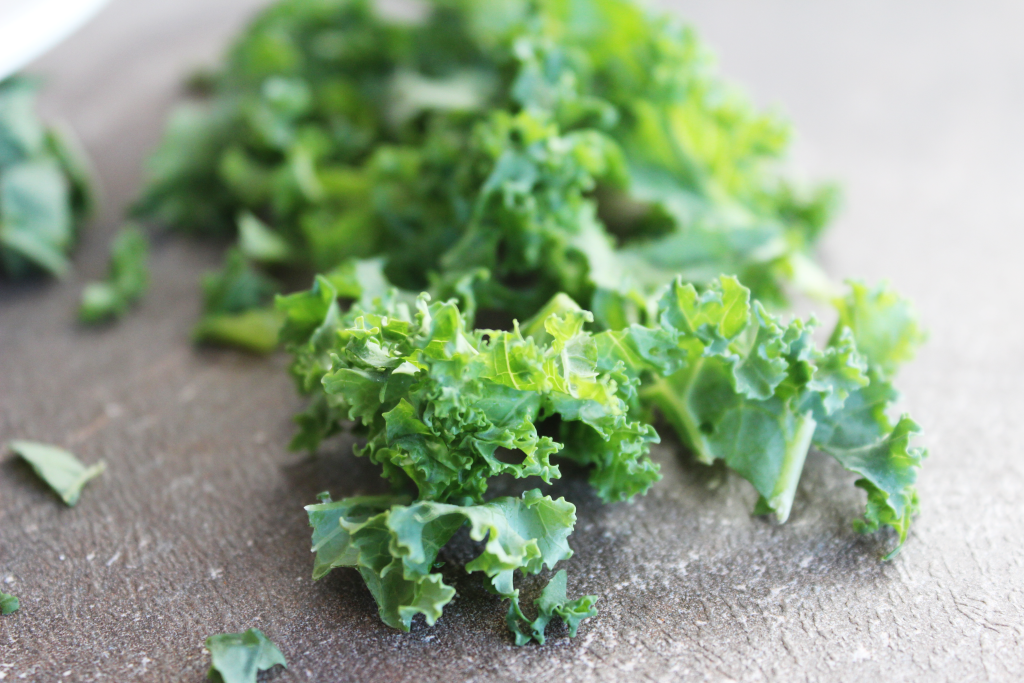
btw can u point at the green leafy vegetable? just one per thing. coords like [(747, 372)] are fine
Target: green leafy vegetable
[(8, 603), (126, 281), (237, 307), (394, 546), (584, 147), (61, 470), (551, 603), (45, 192), (238, 657), (575, 174), (437, 402), (758, 394)]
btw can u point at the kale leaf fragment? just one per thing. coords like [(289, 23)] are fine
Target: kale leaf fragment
[(126, 281), (8, 603), (61, 470), (238, 657)]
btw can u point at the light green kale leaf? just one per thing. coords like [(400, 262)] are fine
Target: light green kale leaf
[(126, 281), (238, 307), (883, 323), (8, 603), (62, 471), (238, 657)]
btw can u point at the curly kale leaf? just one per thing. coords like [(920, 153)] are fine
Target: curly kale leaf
[(238, 309), (861, 435), (551, 603), (440, 402), (883, 323), (589, 149), (395, 545)]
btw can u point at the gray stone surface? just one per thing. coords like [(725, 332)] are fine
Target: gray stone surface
[(197, 526)]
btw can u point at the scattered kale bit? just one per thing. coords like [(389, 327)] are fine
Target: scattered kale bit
[(585, 148), (45, 192), (8, 603), (238, 657), (126, 281), (61, 470)]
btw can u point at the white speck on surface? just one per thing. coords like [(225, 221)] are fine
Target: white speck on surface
[(860, 654), (114, 559)]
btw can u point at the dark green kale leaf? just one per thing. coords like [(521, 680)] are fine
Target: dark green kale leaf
[(238, 657), (62, 471), (126, 281), (45, 193)]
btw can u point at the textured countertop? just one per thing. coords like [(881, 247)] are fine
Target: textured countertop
[(197, 526)]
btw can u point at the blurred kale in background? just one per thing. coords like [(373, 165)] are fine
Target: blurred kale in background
[(45, 191), (577, 147)]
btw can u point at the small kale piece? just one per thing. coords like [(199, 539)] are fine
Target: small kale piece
[(61, 470), (883, 323), (126, 281), (45, 193), (238, 311), (551, 603), (8, 603), (238, 657)]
